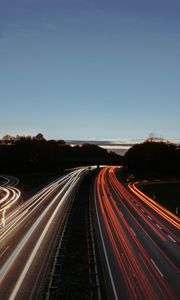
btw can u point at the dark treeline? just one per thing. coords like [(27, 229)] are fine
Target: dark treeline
[(36, 154), (152, 157)]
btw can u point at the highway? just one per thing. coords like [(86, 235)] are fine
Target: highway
[(28, 237), (10, 197), (138, 241)]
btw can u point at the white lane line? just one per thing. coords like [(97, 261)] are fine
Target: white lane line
[(133, 231), (149, 218), (105, 253), (4, 251), (171, 238), (159, 226), (142, 210), (157, 267)]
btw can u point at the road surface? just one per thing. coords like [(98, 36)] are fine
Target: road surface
[(29, 235), (138, 241)]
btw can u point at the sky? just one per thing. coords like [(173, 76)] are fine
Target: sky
[(90, 69)]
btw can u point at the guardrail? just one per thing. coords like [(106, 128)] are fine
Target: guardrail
[(95, 292), (55, 277)]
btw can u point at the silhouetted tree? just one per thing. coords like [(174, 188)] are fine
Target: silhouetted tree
[(151, 156), (28, 153), (39, 136)]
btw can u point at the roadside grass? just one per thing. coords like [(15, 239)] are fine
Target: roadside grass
[(166, 194)]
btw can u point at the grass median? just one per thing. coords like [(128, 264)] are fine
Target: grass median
[(166, 194)]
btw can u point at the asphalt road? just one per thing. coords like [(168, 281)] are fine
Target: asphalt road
[(29, 234), (138, 241)]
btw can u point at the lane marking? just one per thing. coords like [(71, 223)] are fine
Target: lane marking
[(133, 231), (157, 267), (149, 218), (159, 226), (171, 238), (105, 253), (4, 251)]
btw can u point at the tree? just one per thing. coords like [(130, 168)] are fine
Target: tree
[(153, 157), (39, 136), (8, 137)]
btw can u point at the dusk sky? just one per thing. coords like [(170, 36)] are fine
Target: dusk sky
[(90, 69)]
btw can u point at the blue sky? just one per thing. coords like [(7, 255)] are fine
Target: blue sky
[(84, 69)]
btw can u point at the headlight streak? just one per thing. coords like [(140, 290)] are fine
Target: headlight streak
[(7, 193), (11, 197), (8, 263), (9, 180), (6, 180), (69, 182), (141, 273), (40, 240), (29, 208), (13, 218), (28, 205)]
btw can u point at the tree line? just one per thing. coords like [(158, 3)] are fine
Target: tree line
[(36, 154), (154, 157)]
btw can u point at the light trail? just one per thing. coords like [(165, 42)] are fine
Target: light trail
[(9, 200), (30, 206), (42, 236), (27, 233), (149, 212), (166, 214), (17, 250), (144, 261)]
